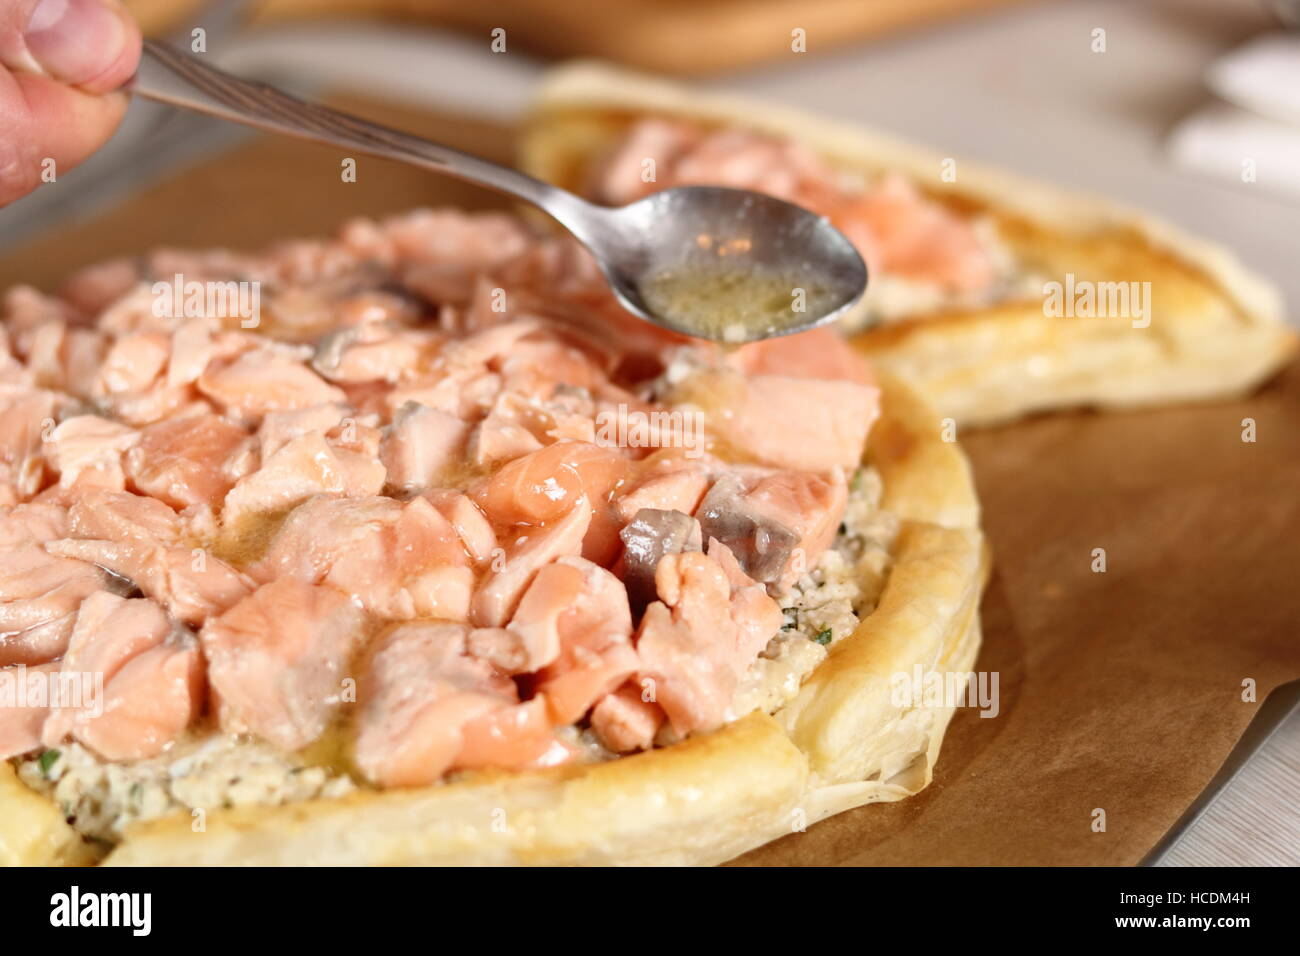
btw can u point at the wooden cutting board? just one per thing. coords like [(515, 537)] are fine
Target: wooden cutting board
[(1120, 691), (672, 36)]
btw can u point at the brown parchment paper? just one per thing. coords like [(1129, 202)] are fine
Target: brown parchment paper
[(1119, 691)]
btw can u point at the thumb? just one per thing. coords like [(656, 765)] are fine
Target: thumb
[(90, 44), (58, 59)]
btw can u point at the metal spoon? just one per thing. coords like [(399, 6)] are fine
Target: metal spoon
[(717, 263)]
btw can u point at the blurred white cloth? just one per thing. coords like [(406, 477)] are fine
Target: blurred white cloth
[(1253, 136)]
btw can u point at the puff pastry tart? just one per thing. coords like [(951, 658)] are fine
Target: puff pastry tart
[(411, 546), (996, 296)]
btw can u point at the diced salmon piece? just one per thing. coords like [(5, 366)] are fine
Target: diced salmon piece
[(192, 349), (469, 521), (535, 367), (572, 612), (498, 592), (482, 347), (700, 637), (623, 722), (191, 583), (466, 393), (26, 419), (422, 447), (818, 353), (109, 631), (514, 737), (799, 423), (902, 232), (809, 505), (133, 362), (374, 352), (427, 706), (32, 523), (679, 490), (277, 659), (191, 460), (45, 641), (555, 593), (619, 178), (776, 524), (39, 597), (512, 429), (756, 615), (149, 703), (306, 466), (23, 716), (543, 485), (154, 404), (122, 516), (263, 380), (279, 428), (586, 608), (88, 449), (536, 488), (746, 160), (397, 560)]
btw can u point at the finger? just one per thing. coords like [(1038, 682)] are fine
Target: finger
[(42, 119), (91, 44)]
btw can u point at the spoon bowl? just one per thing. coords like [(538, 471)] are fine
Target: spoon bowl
[(729, 264)]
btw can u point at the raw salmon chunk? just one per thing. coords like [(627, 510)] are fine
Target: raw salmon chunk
[(191, 583), (702, 634), (499, 591), (586, 608), (278, 658), (427, 706), (799, 423), (146, 675), (396, 560), (305, 466), (39, 596), (624, 721), (265, 380), (193, 460)]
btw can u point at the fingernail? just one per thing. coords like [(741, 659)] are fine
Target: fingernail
[(75, 40)]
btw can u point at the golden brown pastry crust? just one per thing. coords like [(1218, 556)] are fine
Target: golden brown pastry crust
[(1215, 329), (841, 743)]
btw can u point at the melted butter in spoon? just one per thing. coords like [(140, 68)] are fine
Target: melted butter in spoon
[(735, 303)]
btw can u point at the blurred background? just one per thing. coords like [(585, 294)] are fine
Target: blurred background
[(1188, 108)]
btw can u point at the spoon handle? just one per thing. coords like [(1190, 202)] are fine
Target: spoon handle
[(179, 79)]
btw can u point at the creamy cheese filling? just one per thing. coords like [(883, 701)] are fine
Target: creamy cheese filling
[(201, 774)]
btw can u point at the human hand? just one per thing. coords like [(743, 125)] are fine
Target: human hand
[(61, 62)]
